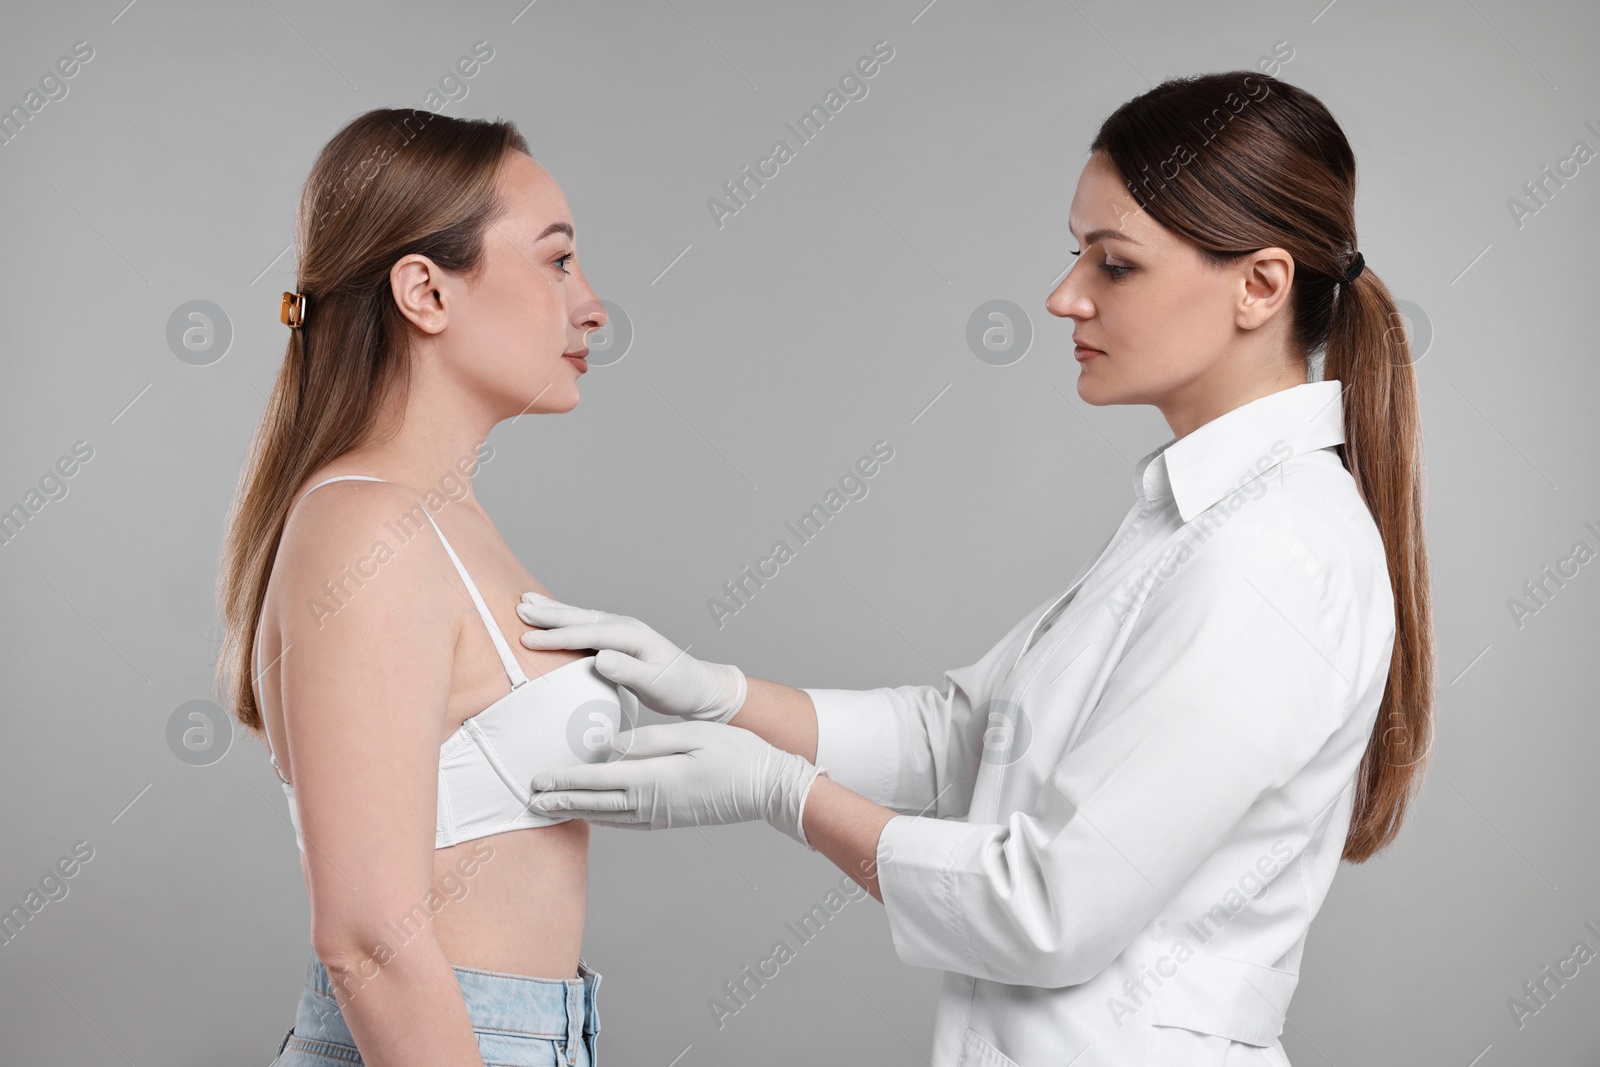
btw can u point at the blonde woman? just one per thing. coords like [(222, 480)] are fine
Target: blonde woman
[(368, 596)]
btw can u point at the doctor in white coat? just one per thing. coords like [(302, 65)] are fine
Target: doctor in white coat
[(1113, 830)]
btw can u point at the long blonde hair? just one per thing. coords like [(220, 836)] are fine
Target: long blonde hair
[(391, 183)]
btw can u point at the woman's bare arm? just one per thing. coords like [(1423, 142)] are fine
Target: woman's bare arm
[(366, 683)]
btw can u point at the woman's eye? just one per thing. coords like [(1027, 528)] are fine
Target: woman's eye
[(561, 263)]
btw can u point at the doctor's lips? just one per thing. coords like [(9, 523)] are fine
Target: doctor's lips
[(577, 359), (1085, 352)]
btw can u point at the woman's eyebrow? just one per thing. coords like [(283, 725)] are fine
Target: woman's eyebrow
[(555, 227)]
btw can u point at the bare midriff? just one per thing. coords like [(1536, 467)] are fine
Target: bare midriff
[(522, 911)]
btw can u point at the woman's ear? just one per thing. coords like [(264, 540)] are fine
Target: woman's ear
[(418, 285), (1265, 276)]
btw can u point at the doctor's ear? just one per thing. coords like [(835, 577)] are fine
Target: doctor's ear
[(1263, 288)]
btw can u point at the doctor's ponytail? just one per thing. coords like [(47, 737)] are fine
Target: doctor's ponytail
[(1236, 162), (1368, 349)]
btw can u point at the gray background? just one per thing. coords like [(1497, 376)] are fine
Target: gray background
[(830, 313)]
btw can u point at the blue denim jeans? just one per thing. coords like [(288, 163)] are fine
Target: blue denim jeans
[(519, 1021)]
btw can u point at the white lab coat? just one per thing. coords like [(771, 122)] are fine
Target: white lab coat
[(1118, 824)]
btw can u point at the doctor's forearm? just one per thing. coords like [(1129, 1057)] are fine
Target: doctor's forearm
[(841, 824), (845, 826), (780, 715)]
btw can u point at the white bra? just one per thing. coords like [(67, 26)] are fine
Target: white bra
[(566, 716)]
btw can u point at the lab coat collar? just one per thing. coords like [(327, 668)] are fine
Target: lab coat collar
[(1215, 459)]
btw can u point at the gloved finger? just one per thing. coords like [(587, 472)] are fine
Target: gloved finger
[(627, 670), (555, 613), (584, 776), (530, 597), (619, 820), (580, 802), (584, 635), (575, 635), (618, 774), (644, 743)]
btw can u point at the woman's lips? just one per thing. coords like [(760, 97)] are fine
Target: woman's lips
[(577, 359), (1084, 352)]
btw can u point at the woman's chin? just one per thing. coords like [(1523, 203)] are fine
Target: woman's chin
[(560, 400), (554, 398)]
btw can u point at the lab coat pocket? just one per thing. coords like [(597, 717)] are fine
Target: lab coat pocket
[(1222, 998), (976, 1052), (1175, 1046)]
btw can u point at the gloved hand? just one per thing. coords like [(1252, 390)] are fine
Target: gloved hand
[(683, 774), (665, 678)]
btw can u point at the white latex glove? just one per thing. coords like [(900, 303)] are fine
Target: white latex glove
[(666, 679), (683, 774)]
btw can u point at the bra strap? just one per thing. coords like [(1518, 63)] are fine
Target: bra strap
[(513, 669), (507, 660), (339, 478)]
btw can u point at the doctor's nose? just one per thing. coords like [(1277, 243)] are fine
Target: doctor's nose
[(1068, 300)]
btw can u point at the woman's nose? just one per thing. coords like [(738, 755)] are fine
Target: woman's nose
[(591, 314)]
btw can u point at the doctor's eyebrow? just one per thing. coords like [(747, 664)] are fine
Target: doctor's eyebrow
[(1103, 234)]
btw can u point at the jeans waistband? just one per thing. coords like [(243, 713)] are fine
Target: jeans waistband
[(559, 1008)]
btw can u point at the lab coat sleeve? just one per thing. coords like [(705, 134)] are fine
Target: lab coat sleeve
[(914, 749), (1238, 670)]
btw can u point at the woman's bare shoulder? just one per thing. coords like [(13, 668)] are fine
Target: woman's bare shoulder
[(357, 540)]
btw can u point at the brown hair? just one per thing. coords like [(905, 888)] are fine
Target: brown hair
[(1269, 166), (393, 182)]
